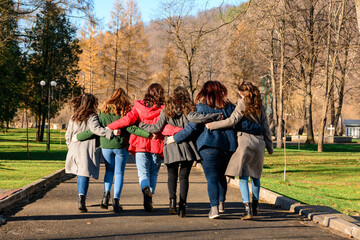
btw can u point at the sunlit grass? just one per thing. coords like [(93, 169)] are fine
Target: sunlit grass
[(331, 178), (18, 168)]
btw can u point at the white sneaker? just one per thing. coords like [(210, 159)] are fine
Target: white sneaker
[(214, 212)]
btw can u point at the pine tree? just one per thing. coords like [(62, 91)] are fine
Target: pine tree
[(11, 75), (55, 55)]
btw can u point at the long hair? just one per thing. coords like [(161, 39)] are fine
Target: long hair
[(83, 106), (118, 103), (252, 97), (154, 96), (179, 102), (213, 94)]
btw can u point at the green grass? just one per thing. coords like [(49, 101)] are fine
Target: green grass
[(16, 170), (331, 178)]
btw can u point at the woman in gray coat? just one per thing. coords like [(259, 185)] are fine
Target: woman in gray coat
[(248, 160), (178, 111), (83, 158)]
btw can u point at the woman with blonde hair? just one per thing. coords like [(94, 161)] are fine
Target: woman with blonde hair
[(248, 159), (148, 152), (83, 158), (115, 151)]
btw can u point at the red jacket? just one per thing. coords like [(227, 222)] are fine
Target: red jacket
[(140, 113)]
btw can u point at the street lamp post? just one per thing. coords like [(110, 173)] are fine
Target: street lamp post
[(52, 84)]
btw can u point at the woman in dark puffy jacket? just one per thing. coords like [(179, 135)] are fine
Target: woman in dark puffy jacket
[(177, 112), (215, 147), (248, 160)]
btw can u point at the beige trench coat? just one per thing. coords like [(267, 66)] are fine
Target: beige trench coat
[(248, 159), (83, 158)]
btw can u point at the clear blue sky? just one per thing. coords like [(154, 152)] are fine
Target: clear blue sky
[(149, 8)]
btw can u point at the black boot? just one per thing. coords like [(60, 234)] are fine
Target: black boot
[(248, 214), (116, 205), (172, 206), (105, 200), (81, 203), (182, 210), (255, 207), (148, 204)]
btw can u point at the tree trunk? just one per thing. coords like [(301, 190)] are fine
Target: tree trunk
[(357, 6), (308, 114), (280, 127), (38, 124), (273, 83), (326, 90), (339, 130)]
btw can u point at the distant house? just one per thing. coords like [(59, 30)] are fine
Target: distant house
[(352, 127)]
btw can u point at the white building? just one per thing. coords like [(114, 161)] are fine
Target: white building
[(352, 127)]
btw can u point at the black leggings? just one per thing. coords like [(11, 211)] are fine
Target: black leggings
[(173, 172)]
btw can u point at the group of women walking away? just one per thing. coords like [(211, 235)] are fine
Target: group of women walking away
[(228, 140)]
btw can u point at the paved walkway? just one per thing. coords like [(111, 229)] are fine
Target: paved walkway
[(54, 215)]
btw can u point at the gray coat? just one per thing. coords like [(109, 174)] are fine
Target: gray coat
[(248, 159), (83, 158), (184, 151)]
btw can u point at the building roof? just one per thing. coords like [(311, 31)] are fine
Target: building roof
[(352, 122)]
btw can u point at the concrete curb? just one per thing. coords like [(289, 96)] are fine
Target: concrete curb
[(27, 190), (326, 216)]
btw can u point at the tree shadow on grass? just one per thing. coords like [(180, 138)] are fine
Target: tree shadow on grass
[(53, 155), (329, 147)]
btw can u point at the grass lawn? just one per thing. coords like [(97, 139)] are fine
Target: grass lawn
[(15, 168), (331, 178)]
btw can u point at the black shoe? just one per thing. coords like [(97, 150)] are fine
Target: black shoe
[(105, 200), (148, 204), (81, 203), (182, 210), (255, 207), (248, 214), (117, 207), (172, 206)]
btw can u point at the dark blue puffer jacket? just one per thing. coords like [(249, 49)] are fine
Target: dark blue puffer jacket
[(224, 139)]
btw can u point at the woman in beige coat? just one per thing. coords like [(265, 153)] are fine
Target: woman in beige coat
[(248, 159), (83, 158)]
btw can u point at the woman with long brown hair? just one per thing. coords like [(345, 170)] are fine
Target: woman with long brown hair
[(178, 110), (148, 152), (248, 159), (115, 151), (83, 158)]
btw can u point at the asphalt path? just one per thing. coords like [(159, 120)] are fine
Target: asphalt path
[(53, 214)]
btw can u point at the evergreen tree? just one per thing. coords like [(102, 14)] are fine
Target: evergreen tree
[(54, 57), (11, 76)]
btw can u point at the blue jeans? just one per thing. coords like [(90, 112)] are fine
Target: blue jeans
[(244, 188), (83, 185), (214, 163), (115, 162), (148, 165)]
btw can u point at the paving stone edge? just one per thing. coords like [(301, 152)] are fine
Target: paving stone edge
[(333, 221)]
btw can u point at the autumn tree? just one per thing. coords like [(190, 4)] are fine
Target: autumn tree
[(170, 72), (89, 58), (187, 34)]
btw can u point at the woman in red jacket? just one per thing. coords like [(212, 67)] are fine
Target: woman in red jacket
[(148, 152)]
